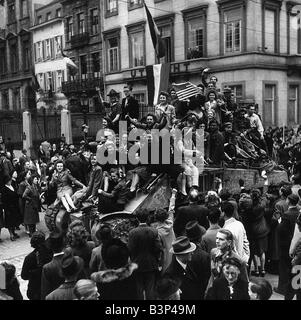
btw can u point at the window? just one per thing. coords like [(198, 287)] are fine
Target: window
[(237, 90), (113, 54), (96, 64), (293, 105), (94, 21), (3, 67), (58, 45), (26, 55), (69, 28), (166, 35), (39, 51), (16, 99), (48, 16), (24, 8), (58, 13), (136, 49), (269, 106), (232, 30), (133, 4), (59, 79), (196, 32), (48, 49), (140, 97), (270, 30), (39, 19), (14, 58), (40, 78), (81, 23), (5, 100), (49, 83), (112, 7), (83, 67), (11, 13)]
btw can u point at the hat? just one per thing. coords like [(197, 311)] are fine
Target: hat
[(112, 93), (227, 124), (167, 286), (115, 254), (194, 231), (182, 245), (293, 198), (71, 265)]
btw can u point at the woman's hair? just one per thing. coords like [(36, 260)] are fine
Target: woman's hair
[(161, 215), (31, 178), (261, 287), (60, 161), (84, 288), (104, 233), (77, 236), (115, 254), (229, 236), (7, 179), (37, 239), (209, 92)]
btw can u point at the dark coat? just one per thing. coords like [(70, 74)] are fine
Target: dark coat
[(220, 290), (286, 229), (117, 284), (32, 205), (63, 292), (132, 108), (255, 222), (11, 208), (32, 271), (145, 248), (95, 181), (13, 290), (75, 165), (51, 276), (195, 278), (6, 170), (188, 213), (216, 147)]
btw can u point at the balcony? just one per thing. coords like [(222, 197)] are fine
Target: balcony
[(78, 86), (80, 40)]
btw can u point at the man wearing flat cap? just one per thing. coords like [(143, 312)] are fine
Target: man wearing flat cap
[(285, 232), (183, 268)]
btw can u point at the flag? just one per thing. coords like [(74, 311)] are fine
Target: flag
[(185, 90), (157, 80), (155, 35), (35, 83), (72, 67)]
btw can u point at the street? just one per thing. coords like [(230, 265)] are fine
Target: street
[(15, 252)]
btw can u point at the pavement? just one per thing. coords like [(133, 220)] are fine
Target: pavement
[(15, 252)]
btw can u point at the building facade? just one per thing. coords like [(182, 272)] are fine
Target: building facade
[(83, 44), (253, 47), (16, 61), (50, 66)]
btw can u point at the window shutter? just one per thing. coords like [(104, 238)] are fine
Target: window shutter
[(45, 87), (43, 50), (53, 81), (52, 48)]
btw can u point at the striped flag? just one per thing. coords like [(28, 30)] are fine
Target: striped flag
[(157, 80), (185, 90), (155, 35), (35, 83)]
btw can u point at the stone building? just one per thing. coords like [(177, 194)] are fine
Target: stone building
[(83, 44), (253, 47), (16, 63), (50, 66)]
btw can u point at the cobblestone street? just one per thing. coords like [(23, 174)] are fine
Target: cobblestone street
[(15, 251)]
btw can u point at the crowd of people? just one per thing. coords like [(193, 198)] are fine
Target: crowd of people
[(214, 245)]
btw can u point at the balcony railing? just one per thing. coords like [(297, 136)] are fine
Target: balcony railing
[(80, 40), (77, 86)]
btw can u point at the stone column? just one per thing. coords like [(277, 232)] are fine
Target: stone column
[(11, 99), (66, 127), (27, 133)]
